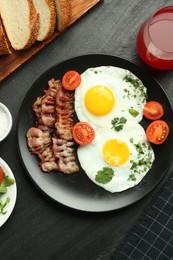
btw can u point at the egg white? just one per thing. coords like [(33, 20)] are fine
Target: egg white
[(125, 94), (91, 158)]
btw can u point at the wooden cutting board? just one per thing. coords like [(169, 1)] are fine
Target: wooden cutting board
[(9, 63)]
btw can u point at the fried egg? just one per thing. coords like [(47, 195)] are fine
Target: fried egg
[(107, 92), (117, 160)]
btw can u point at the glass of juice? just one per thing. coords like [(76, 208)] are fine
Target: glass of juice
[(155, 39)]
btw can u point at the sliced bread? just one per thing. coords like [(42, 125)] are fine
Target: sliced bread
[(5, 47), (63, 13), (47, 13), (21, 22)]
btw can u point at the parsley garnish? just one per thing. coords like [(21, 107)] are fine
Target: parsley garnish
[(105, 175), (132, 177), (139, 148), (134, 82), (117, 123), (133, 112), (144, 158), (137, 84), (131, 140)]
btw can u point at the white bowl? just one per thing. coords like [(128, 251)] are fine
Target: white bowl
[(5, 121), (11, 192)]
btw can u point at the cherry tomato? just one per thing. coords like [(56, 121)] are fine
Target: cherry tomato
[(83, 133), (71, 80), (1, 175), (157, 132), (153, 110)]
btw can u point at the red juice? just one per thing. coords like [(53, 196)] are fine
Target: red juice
[(155, 39)]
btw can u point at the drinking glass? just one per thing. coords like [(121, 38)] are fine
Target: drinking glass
[(155, 39)]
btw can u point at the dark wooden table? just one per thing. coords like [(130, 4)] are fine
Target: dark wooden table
[(38, 228)]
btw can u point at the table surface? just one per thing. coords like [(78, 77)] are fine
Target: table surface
[(38, 228)]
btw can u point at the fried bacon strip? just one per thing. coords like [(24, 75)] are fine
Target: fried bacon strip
[(44, 107), (54, 112), (48, 162), (64, 151), (64, 113), (48, 110), (63, 146), (39, 142)]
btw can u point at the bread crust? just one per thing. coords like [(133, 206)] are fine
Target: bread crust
[(34, 25), (5, 47), (60, 18), (51, 4), (63, 8), (50, 27)]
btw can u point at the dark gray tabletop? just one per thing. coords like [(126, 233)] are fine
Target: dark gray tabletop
[(38, 228)]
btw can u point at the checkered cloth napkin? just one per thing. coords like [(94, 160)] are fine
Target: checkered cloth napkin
[(151, 238)]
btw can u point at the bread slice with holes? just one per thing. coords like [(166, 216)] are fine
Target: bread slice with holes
[(63, 14), (5, 47), (47, 13), (21, 22)]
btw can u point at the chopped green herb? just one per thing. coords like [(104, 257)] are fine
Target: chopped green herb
[(137, 84), (105, 175), (6, 183), (145, 162), (133, 112), (134, 82), (3, 204), (3, 189), (139, 149), (133, 166), (131, 140), (118, 123), (132, 177), (127, 92), (144, 158)]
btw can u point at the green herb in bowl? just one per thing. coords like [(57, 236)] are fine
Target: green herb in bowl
[(5, 182)]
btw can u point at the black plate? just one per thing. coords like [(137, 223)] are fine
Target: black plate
[(77, 191)]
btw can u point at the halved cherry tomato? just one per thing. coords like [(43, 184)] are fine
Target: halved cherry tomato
[(71, 80), (157, 132), (83, 133), (153, 110), (1, 175)]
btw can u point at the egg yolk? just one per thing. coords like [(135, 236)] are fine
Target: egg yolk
[(115, 152), (99, 100)]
